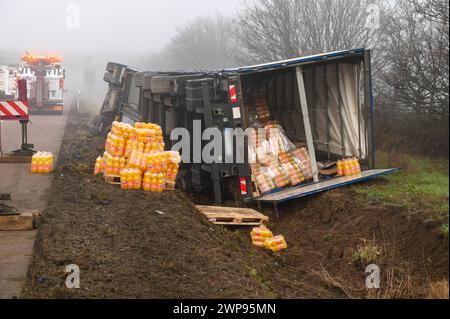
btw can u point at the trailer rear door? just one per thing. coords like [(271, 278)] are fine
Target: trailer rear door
[(323, 186)]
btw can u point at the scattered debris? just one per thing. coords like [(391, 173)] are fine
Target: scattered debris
[(263, 237)]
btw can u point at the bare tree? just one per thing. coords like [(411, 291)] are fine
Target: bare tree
[(412, 82), (278, 29), (204, 43), (416, 74)]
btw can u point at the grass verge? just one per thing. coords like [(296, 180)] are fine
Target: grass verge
[(422, 186)]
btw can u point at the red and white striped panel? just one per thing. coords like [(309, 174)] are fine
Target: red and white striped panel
[(14, 110)]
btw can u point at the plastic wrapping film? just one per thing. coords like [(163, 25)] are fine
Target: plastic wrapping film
[(275, 161)]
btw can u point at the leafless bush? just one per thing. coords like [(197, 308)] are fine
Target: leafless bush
[(398, 132)]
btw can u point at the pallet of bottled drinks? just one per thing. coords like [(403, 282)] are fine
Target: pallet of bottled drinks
[(135, 158)]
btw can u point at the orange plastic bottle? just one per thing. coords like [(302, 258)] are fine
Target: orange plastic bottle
[(340, 171), (347, 171)]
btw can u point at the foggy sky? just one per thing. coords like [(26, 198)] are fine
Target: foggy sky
[(144, 26), (123, 31)]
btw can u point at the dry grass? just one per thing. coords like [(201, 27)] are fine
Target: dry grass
[(438, 290), (333, 282), (397, 283), (368, 252)]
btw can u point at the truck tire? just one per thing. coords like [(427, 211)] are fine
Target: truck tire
[(100, 125), (184, 181), (233, 190), (94, 125)]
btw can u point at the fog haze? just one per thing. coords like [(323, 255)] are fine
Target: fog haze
[(143, 25), (116, 30)]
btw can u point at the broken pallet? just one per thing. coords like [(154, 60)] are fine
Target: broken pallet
[(112, 179), (232, 216)]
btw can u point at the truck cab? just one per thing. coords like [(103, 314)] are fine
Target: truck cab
[(45, 81)]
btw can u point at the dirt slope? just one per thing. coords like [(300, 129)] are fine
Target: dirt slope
[(125, 249)]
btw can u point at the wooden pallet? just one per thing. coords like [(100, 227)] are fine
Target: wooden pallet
[(11, 159), (19, 222), (233, 216), (112, 179)]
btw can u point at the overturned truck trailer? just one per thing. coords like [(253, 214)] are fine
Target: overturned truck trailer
[(323, 104)]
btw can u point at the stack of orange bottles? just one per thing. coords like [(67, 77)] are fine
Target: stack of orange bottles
[(357, 166), (115, 145), (146, 182), (160, 182), (137, 178), (154, 182), (112, 165), (145, 135), (276, 243), (259, 235), (131, 178), (340, 168), (348, 167), (98, 165), (42, 163), (122, 129), (263, 237), (138, 149), (149, 126), (173, 160), (133, 145), (156, 162), (136, 159), (172, 172)]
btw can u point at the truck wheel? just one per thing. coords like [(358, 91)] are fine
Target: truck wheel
[(105, 126), (233, 190), (94, 125), (184, 181), (100, 125)]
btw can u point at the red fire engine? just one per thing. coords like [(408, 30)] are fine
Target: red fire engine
[(45, 81)]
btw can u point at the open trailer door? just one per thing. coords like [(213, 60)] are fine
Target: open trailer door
[(323, 102)]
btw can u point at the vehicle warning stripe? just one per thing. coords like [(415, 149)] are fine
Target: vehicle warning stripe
[(19, 107), (14, 109)]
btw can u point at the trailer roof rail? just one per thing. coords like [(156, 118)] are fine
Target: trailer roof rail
[(295, 61)]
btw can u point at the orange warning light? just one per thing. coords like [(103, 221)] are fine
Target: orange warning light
[(41, 59)]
